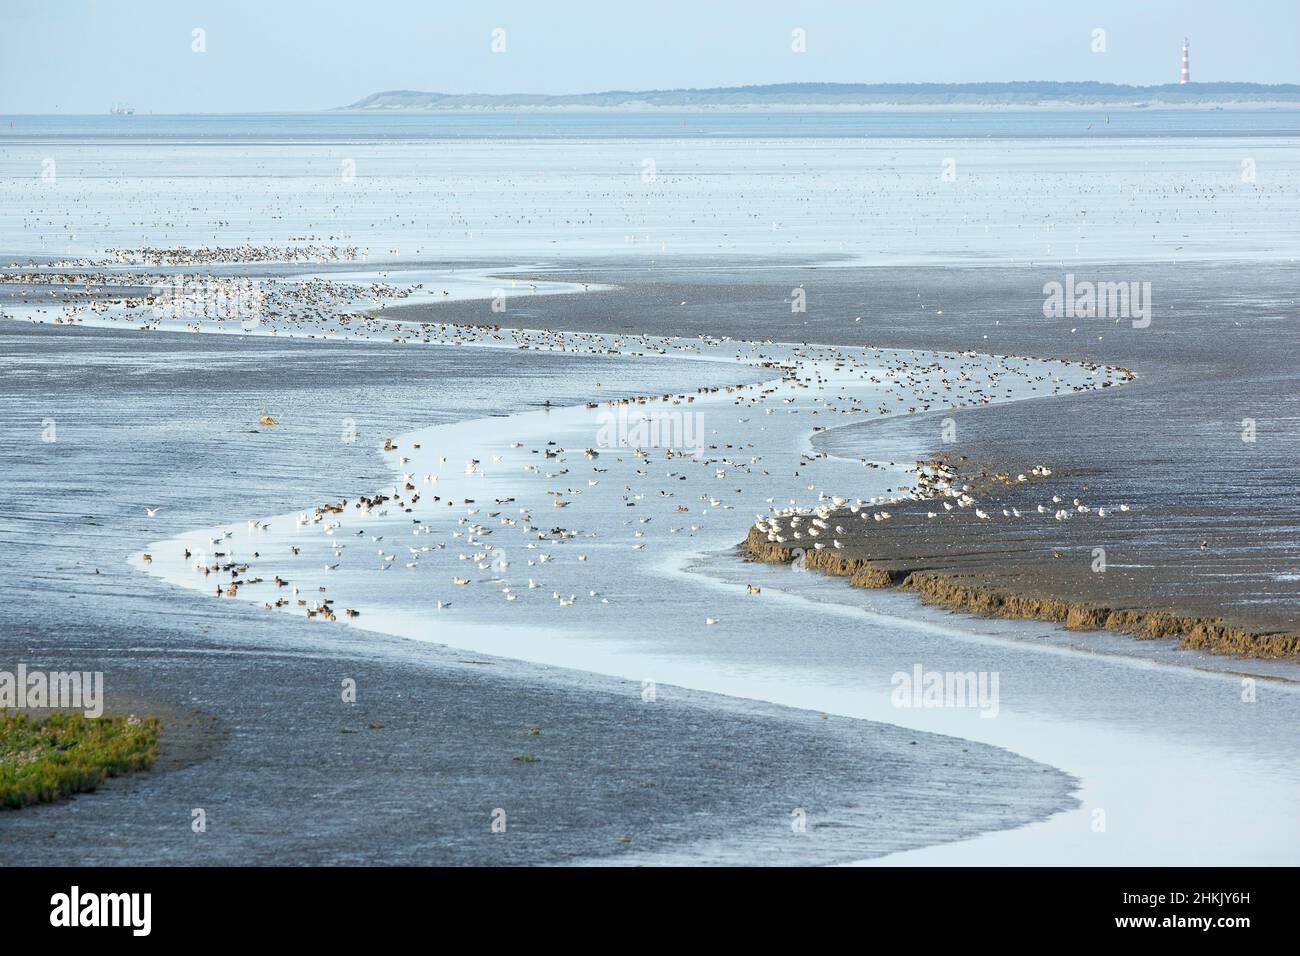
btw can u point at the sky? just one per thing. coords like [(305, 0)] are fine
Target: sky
[(82, 56)]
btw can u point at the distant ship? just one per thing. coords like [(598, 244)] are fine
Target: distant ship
[(121, 109)]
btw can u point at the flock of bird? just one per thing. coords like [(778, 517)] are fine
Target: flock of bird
[(464, 514), (938, 480)]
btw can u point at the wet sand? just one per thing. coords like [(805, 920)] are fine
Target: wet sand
[(1211, 532), (653, 308), (256, 732), (1043, 574), (256, 735)]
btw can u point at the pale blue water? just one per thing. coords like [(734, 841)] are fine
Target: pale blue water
[(515, 188), (876, 187), (346, 126)]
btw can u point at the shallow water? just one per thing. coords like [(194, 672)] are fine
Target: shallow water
[(139, 409), (1183, 768), (1099, 716), (1019, 186)]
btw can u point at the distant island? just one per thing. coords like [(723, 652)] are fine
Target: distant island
[(860, 95)]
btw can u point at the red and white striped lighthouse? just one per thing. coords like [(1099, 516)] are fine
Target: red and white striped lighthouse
[(1184, 75)]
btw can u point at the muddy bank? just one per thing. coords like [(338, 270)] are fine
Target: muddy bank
[(1202, 445), (878, 559)]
